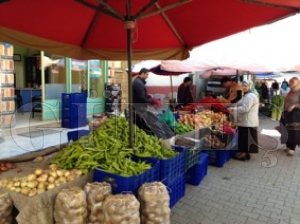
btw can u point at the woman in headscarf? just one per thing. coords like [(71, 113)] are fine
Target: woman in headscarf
[(291, 117), (246, 119)]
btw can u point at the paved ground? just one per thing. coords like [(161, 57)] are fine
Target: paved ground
[(265, 189)]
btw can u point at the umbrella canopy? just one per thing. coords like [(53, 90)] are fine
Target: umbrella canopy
[(269, 48), (149, 29), (159, 71), (94, 29)]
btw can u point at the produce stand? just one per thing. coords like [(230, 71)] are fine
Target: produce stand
[(37, 209), (103, 155)]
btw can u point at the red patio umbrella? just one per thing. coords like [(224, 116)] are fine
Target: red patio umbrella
[(91, 29)]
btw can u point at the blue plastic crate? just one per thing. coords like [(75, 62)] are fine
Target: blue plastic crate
[(171, 169), (73, 110), (176, 189), (217, 157), (75, 135), (128, 184), (191, 157), (73, 122), (69, 98), (196, 174)]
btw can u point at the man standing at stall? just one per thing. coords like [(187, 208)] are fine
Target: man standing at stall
[(235, 92), (140, 98), (184, 94)]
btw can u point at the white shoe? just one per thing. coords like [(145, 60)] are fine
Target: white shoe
[(290, 152)]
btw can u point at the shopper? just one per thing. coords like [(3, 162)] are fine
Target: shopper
[(284, 84), (291, 117), (264, 91), (275, 88), (184, 94), (140, 98), (235, 90), (246, 118)]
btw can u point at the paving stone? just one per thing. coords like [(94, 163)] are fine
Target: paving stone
[(209, 221), (261, 212), (235, 217), (253, 221)]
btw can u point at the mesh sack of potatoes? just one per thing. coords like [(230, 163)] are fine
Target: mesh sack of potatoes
[(155, 203), (96, 194), (6, 206), (70, 206), (121, 208)]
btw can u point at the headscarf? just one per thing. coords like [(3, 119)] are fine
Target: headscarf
[(296, 87), (251, 87)]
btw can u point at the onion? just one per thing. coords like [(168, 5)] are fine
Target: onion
[(67, 173), (31, 177), (51, 179), (78, 173), (25, 190), (38, 172), (50, 186), (32, 193), (32, 184), (53, 174), (42, 178), (59, 173), (53, 167), (23, 184), (41, 185), (17, 184)]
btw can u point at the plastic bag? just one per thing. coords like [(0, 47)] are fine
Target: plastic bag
[(169, 118)]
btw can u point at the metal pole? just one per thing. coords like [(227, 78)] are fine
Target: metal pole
[(129, 58), (171, 80)]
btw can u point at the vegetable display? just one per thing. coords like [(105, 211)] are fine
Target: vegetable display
[(212, 103), (121, 208), (70, 206), (96, 194), (40, 181), (213, 141), (6, 207), (277, 107), (155, 203), (182, 129), (108, 148), (6, 166)]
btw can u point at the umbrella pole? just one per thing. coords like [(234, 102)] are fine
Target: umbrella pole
[(129, 25), (171, 80), (129, 58)]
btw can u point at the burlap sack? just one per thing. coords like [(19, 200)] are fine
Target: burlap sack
[(6, 206)]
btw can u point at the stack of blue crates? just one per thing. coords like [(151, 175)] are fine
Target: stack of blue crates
[(74, 110), (195, 174)]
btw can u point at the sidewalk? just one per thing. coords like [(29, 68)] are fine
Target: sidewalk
[(265, 189)]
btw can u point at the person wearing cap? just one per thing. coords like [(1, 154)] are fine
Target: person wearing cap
[(184, 94), (235, 92)]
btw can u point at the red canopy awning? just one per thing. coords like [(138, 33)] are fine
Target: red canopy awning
[(80, 29)]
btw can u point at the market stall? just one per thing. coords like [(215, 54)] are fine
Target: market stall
[(100, 160)]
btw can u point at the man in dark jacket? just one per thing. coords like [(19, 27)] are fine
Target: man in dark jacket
[(140, 98), (184, 94)]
